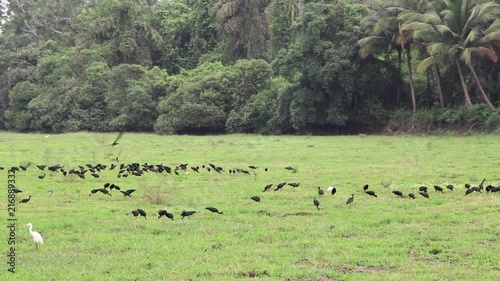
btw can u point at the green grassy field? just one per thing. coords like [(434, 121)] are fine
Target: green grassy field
[(449, 236)]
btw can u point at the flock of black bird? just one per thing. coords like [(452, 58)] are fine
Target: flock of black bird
[(136, 169)]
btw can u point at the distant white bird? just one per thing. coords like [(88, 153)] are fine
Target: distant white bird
[(37, 238)]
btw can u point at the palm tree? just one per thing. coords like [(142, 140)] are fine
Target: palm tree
[(244, 23), (383, 37), (387, 33), (461, 29)]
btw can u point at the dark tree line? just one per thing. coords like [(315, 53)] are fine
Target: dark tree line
[(238, 66)]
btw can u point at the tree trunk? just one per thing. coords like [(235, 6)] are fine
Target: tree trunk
[(437, 78), (464, 86), (412, 87), (485, 97), (398, 93)]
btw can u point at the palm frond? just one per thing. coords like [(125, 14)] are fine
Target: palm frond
[(466, 56), (426, 63), (488, 11), (495, 26), (443, 29), (385, 24), (372, 45), (425, 35), (430, 17), (438, 48), (416, 26), (492, 36), (472, 37)]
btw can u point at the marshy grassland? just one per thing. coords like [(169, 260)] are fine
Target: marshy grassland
[(449, 236)]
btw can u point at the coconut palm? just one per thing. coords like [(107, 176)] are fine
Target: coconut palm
[(458, 31), (388, 35)]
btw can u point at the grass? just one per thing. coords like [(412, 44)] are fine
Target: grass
[(447, 237)]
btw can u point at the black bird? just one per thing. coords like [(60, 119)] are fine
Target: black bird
[(365, 187), (320, 191), (106, 185), (117, 139), (467, 185), (349, 201), (135, 213), (255, 198), (290, 168), (450, 187), (127, 192), (162, 213), (279, 186), (316, 203), (187, 214), (196, 169), (371, 193), (15, 190), (472, 189), (103, 190), (41, 176), (114, 186), (214, 210), (495, 189), (481, 184), (41, 167), (398, 193), (411, 195), (423, 188), (332, 189), (425, 194), (267, 187), (26, 200), (294, 184), (142, 213), (438, 188), (252, 167)]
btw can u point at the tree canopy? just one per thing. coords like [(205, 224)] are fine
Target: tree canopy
[(235, 66)]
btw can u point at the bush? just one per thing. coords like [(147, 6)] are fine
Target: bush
[(478, 118)]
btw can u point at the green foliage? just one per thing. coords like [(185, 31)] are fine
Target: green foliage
[(190, 30), (244, 24), (477, 118), (123, 24), (105, 62), (17, 117), (53, 67), (202, 100), (265, 113), (132, 97)]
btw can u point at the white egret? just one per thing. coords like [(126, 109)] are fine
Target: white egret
[(37, 238)]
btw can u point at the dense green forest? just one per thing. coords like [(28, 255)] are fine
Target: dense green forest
[(249, 66)]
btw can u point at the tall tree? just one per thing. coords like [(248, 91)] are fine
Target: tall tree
[(387, 33), (462, 28), (43, 19), (283, 13), (123, 28), (244, 24)]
